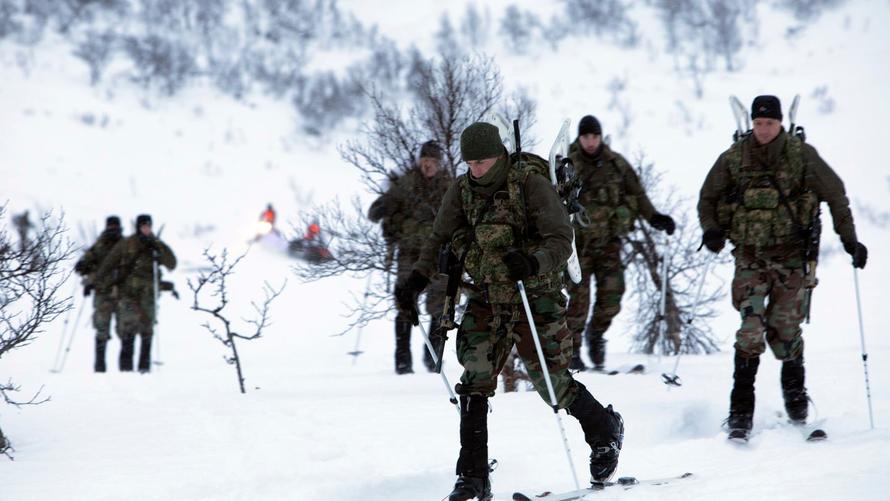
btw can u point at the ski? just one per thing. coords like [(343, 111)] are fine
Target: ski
[(624, 482), (741, 117), (636, 369)]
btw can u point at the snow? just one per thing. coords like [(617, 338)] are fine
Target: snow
[(315, 426)]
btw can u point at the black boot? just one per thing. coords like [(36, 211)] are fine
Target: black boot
[(145, 354), (596, 346), (576, 364), (793, 390), (437, 341), (472, 464), (403, 347), (99, 365), (741, 400), (125, 362), (603, 431)]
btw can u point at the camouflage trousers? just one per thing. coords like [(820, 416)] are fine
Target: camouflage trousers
[(771, 298), (135, 315), (104, 307), (488, 333), (604, 262)]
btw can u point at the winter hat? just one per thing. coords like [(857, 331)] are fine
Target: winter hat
[(112, 221), (142, 219), (431, 149), (589, 125), (480, 141), (766, 107)]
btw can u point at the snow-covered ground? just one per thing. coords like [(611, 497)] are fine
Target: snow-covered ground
[(315, 426)]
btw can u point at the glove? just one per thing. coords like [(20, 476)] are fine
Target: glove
[(663, 222), (150, 242), (859, 253), (87, 289), (520, 265), (714, 240), (80, 268), (406, 294)]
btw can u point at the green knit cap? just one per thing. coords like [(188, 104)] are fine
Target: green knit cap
[(480, 141)]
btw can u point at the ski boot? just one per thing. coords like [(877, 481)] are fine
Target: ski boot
[(741, 400), (404, 364), (145, 355), (576, 364), (125, 361), (793, 390), (603, 431), (467, 488), (99, 365), (596, 346), (437, 342)]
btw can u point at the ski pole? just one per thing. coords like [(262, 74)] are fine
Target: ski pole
[(665, 259), (546, 371), (358, 337), (71, 337), (871, 418), (673, 379), (64, 331), (429, 346)]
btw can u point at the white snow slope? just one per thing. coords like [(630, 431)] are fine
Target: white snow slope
[(313, 426)]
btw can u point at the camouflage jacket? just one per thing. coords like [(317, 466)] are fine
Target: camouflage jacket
[(610, 193), (750, 189), (93, 257), (129, 265), (408, 208), (523, 212)]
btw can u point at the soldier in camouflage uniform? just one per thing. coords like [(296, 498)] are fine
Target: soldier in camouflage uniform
[(507, 223), (129, 272), (406, 211), (763, 194), (612, 198), (104, 302)]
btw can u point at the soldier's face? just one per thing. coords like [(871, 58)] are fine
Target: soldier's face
[(590, 142), (145, 229), (479, 168), (766, 129), (429, 166)]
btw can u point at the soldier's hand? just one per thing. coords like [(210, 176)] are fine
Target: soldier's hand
[(520, 265), (714, 240), (663, 222), (859, 253), (80, 268), (87, 289)]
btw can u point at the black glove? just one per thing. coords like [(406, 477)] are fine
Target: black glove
[(150, 242), (407, 291), (520, 265), (663, 222), (859, 253), (87, 289), (80, 268), (714, 240)]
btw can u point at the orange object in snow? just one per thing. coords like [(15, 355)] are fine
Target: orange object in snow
[(312, 231), (268, 215)]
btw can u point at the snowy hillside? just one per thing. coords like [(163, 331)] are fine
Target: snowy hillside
[(316, 424)]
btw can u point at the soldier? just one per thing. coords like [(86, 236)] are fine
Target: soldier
[(104, 302), (406, 211), (612, 198), (130, 270), (507, 223), (763, 193), (23, 225)]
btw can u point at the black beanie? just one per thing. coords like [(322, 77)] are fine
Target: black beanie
[(431, 149), (766, 107), (112, 221), (142, 219), (589, 125)]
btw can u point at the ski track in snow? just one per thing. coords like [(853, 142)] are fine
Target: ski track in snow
[(313, 426)]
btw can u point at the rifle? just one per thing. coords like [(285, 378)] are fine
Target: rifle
[(451, 266), (811, 256)]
